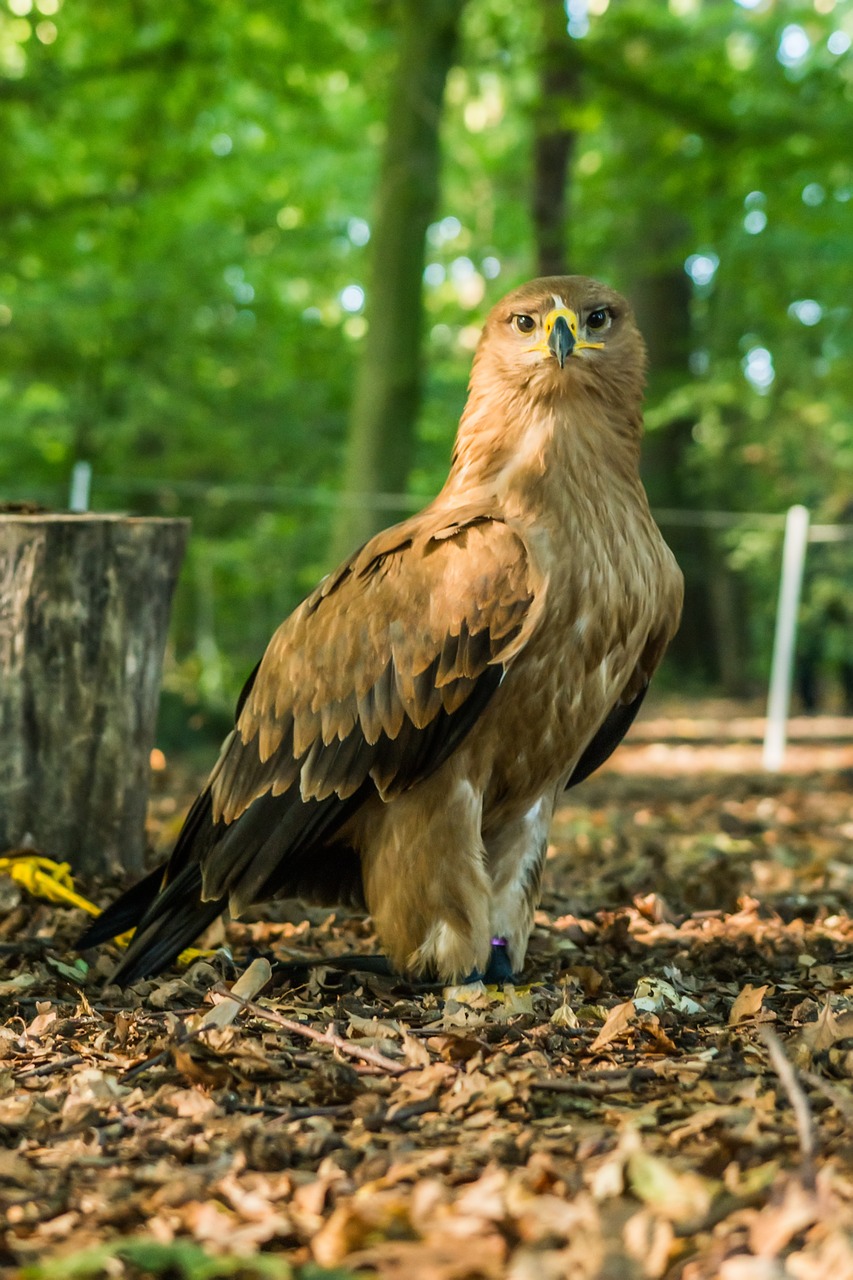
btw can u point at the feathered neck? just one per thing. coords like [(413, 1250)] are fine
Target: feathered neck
[(525, 445)]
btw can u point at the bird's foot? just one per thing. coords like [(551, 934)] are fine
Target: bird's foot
[(498, 970)]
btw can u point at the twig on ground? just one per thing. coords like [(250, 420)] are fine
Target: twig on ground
[(48, 1068), (154, 1061), (288, 1113), (600, 1084), (799, 1102), (353, 1050), (839, 1099)]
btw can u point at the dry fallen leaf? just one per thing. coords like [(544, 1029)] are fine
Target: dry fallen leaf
[(666, 1145), (747, 1003), (679, 1195), (618, 1020)]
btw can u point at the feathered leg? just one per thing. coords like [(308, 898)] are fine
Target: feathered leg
[(425, 880), (516, 857)]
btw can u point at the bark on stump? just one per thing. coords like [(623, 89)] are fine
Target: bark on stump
[(84, 611)]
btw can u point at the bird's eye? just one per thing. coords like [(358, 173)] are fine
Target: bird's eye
[(523, 324), (598, 319)]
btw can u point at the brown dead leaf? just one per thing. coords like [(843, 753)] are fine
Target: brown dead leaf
[(43, 1021), (564, 1015), (679, 1195), (14, 1169), (16, 986), (442, 1258), (212, 1224), (201, 1067), (590, 980), (254, 1201), (18, 1110), (747, 1003), (674, 1157), (511, 1002), (618, 1020), (820, 1037), (791, 1210), (475, 1091), (171, 994), (650, 1240), (706, 1118), (415, 1052), (365, 1217), (192, 1104)]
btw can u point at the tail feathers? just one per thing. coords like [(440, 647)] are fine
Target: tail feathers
[(173, 921), (123, 914)]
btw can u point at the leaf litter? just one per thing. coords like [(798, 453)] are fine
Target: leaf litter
[(668, 1094)]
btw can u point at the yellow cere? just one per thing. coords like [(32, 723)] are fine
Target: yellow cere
[(569, 316), (572, 321)]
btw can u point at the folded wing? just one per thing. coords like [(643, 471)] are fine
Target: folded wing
[(365, 690)]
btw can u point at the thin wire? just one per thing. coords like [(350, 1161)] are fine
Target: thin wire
[(220, 495)]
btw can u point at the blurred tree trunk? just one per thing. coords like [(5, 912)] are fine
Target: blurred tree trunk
[(712, 638), (554, 139), (84, 611), (660, 293), (387, 391)]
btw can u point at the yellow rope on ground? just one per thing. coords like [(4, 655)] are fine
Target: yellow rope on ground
[(44, 878)]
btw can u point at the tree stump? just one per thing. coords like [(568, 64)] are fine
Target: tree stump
[(84, 611)]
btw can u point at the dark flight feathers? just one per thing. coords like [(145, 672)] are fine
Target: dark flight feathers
[(324, 722)]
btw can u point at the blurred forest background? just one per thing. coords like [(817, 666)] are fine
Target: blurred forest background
[(245, 251)]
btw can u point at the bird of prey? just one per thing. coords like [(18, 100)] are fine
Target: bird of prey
[(402, 743)]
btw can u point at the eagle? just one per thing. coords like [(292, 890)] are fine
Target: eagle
[(402, 743)]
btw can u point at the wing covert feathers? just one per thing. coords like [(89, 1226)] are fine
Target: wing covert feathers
[(390, 647)]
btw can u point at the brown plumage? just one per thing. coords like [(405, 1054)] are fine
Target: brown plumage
[(404, 739)]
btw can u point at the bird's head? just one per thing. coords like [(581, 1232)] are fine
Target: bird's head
[(554, 336), (559, 372)]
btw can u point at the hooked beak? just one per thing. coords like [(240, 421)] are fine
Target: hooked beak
[(561, 339), (561, 335)]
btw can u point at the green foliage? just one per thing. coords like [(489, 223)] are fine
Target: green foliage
[(139, 1256), (182, 1259), (177, 214), (188, 190)]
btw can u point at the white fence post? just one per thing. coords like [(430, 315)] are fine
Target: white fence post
[(782, 668), (81, 483)]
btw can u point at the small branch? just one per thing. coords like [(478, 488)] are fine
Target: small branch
[(154, 1061), (600, 1084), (798, 1100), (403, 1114), (287, 1114), (319, 1037), (842, 1102), (48, 1068)]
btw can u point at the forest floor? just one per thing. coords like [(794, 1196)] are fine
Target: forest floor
[(669, 1094)]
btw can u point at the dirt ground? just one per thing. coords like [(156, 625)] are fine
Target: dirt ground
[(667, 1095)]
